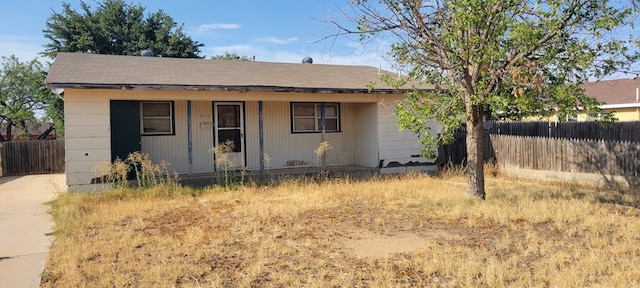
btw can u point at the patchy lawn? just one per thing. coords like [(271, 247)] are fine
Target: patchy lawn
[(396, 232)]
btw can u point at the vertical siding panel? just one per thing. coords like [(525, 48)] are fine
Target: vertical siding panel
[(282, 146), (202, 131), (288, 149), (171, 148), (365, 127), (252, 138), (395, 145)]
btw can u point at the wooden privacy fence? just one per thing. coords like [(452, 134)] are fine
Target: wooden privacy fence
[(456, 152), (32, 157), (618, 131), (567, 155)]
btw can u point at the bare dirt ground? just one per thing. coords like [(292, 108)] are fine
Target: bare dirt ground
[(371, 244), (387, 233), (358, 231)]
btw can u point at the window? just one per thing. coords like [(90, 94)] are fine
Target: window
[(307, 117), (156, 118)]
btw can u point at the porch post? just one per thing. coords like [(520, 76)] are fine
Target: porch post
[(322, 129), (189, 138), (322, 118), (260, 135)]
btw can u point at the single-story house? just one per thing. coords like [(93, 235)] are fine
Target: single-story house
[(621, 97), (178, 109)]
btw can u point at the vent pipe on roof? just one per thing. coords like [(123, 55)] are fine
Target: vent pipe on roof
[(146, 53), (307, 60)]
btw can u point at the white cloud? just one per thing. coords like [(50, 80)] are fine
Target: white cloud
[(362, 59), (23, 47), (218, 26), (349, 56), (287, 56), (276, 40)]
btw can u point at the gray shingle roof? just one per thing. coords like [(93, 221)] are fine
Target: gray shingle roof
[(79, 70), (620, 91)]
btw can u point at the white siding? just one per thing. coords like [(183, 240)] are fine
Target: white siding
[(398, 147), (202, 131), (365, 127), (88, 131), (282, 146), (252, 137), (171, 148), (87, 141), (286, 148)]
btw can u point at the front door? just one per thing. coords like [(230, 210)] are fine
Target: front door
[(125, 130), (229, 134)]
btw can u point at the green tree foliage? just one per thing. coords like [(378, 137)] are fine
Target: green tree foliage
[(496, 59), (55, 114), (117, 28), (230, 56), (22, 92)]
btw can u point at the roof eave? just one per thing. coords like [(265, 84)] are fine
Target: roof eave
[(161, 87), (621, 105)]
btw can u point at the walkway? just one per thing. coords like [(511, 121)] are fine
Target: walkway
[(24, 226)]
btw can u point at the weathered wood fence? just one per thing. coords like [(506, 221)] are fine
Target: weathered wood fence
[(618, 131), (32, 157), (567, 155), (581, 147)]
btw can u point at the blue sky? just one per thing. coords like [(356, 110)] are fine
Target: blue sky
[(270, 30)]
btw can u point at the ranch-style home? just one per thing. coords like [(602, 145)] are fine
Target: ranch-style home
[(620, 96), (178, 109)]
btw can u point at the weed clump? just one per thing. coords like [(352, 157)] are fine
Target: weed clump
[(139, 165), (226, 165)]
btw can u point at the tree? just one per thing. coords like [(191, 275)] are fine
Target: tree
[(495, 58), (118, 28), (230, 56), (55, 114), (22, 92)]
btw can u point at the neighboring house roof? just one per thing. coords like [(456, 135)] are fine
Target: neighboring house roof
[(80, 70), (34, 130), (620, 93)]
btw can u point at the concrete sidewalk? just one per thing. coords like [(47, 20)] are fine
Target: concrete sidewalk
[(24, 223)]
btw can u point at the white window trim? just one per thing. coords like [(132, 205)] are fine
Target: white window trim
[(316, 117), (171, 118)]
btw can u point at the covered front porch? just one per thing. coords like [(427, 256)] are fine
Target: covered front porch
[(266, 137)]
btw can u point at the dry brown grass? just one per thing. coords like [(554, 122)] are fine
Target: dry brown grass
[(349, 234)]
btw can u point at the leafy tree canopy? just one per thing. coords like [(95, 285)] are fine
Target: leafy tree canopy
[(496, 58), (22, 92), (118, 28)]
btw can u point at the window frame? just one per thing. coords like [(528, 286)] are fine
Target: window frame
[(171, 118), (317, 117)]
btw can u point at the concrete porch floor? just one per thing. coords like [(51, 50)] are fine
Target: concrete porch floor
[(339, 171)]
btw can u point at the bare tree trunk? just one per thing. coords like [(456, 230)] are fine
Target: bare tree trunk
[(8, 132), (475, 152)]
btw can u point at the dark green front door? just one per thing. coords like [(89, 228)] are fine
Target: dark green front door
[(125, 129)]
